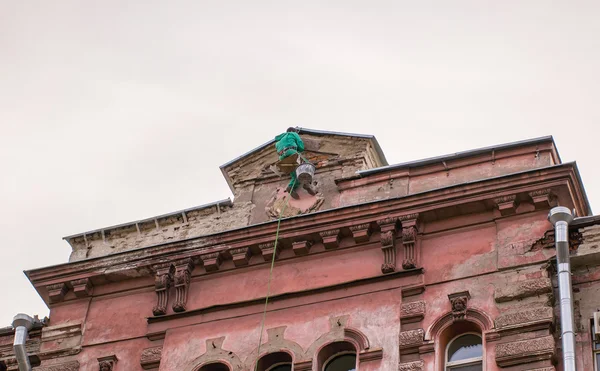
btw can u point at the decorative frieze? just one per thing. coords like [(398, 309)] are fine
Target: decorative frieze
[(412, 311), (331, 238), (82, 287), (183, 274), (411, 338), (268, 249), (150, 358), (506, 204), (107, 363), (361, 232), (541, 197), (409, 240), (57, 292), (301, 247), (162, 283), (459, 302), (524, 351), (241, 256), (524, 318), (411, 366), (522, 289), (211, 261), (68, 366)]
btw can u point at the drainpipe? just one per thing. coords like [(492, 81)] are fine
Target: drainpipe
[(22, 323), (560, 217)]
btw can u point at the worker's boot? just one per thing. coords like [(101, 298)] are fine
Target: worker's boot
[(310, 188), (292, 192)]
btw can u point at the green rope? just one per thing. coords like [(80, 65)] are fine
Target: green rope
[(264, 316)]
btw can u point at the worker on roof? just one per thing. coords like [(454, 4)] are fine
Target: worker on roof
[(290, 143)]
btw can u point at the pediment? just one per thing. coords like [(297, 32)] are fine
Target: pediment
[(321, 148)]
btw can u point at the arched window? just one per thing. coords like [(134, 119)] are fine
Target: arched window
[(215, 367), (338, 356), (279, 361), (465, 353)]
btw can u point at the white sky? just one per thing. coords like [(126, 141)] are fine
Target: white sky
[(112, 111)]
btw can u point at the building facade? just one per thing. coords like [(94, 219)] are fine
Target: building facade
[(441, 264)]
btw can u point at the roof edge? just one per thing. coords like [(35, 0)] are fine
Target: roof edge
[(462, 154)]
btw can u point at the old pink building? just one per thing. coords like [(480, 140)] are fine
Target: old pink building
[(446, 263)]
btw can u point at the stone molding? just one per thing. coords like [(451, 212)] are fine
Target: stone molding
[(57, 292), (183, 275), (411, 338), (150, 358), (524, 351), (411, 366), (361, 232), (211, 261), (301, 247), (268, 249), (162, 283), (331, 238), (506, 204), (524, 318), (68, 366), (412, 311), (522, 289), (82, 287), (240, 256), (541, 197)]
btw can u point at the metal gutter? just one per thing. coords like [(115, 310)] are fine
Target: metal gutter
[(225, 202), (459, 155)]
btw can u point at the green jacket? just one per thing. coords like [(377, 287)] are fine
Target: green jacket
[(289, 139)]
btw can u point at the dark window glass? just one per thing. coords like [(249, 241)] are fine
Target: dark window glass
[(598, 361), (477, 367), (282, 368), (215, 367), (465, 347), (345, 362)]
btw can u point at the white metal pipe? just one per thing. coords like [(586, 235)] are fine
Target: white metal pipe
[(22, 323), (560, 217)]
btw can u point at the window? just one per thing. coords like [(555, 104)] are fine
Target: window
[(342, 362), (595, 347), (338, 356), (215, 367), (279, 361), (465, 353)]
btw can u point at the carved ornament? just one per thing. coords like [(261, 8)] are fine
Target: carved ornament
[(268, 249), (530, 350), (82, 287), (211, 261), (69, 366), (412, 312), (162, 282), (361, 232), (506, 204), (411, 366), (57, 292), (301, 247), (459, 302), (331, 238), (150, 358), (183, 274), (241, 256), (541, 197), (107, 363), (411, 338)]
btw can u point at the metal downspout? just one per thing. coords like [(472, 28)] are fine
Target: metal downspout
[(22, 323), (560, 217)]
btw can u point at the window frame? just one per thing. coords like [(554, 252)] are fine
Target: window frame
[(279, 364), (595, 346), (343, 352), (463, 362)]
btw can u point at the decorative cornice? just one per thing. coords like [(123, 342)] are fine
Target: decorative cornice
[(57, 292), (240, 256), (211, 261), (144, 258), (82, 287), (301, 247), (506, 204), (361, 232), (268, 249)]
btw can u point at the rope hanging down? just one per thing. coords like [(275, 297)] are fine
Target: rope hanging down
[(262, 325)]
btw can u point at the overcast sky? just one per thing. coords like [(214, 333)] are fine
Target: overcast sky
[(112, 111)]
